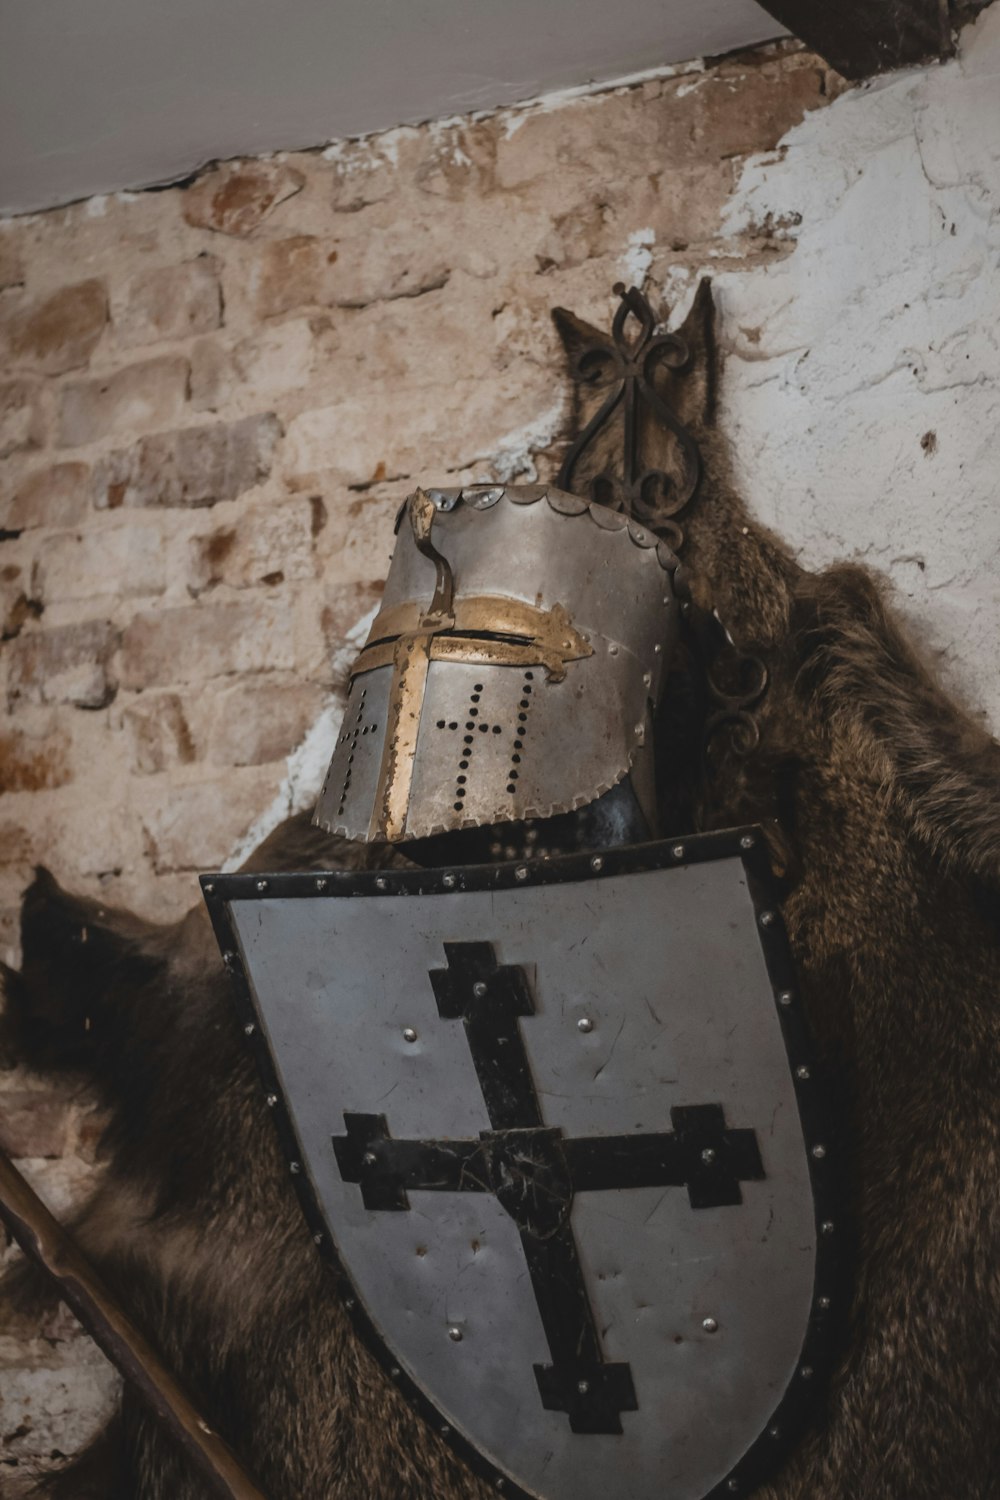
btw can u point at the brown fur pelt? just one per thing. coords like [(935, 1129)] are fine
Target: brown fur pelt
[(879, 796)]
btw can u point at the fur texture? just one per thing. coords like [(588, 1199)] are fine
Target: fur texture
[(879, 796)]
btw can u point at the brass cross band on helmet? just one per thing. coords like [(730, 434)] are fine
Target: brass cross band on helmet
[(512, 671)]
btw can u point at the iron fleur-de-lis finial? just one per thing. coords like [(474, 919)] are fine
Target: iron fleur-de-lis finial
[(628, 367)]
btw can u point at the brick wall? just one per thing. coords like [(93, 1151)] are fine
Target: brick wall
[(212, 401)]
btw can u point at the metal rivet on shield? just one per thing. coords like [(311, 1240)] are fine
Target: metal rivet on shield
[(295, 1166), (395, 1372), (785, 997), (262, 885), (209, 886), (733, 1485), (657, 648), (317, 1239), (249, 1028), (381, 884), (826, 1227), (678, 851), (271, 1100), (708, 1156), (774, 1430), (819, 1151), (585, 1024), (639, 731), (766, 918), (710, 1325), (369, 1159), (612, 649), (521, 873), (448, 880), (409, 1035), (805, 1372), (823, 1303), (321, 883), (597, 863), (583, 1386), (480, 990), (647, 679), (350, 1304), (802, 1072), (746, 842), (455, 1334)]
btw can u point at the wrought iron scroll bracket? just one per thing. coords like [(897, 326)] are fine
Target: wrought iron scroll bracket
[(628, 367), (735, 681)]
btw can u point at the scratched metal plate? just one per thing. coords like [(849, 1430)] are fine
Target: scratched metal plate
[(491, 745), (675, 965)]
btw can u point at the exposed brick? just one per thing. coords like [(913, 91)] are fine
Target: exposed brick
[(289, 274), (460, 424), (151, 394), (61, 1183), (197, 826), (261, 720), (18, 845), (237, 197), (362, 176), (17, 602), (69, 664), (34, 1123), (118, 560), (34, 762), (56, 1402), (344, 606), (171, 302), (55, 333), (391, 267), (22, 425), (268, 544), (213, 381), (159, 733), (190, 644), (11, 262), (195, 466), (83, 837), (56, 496), (265, 365)]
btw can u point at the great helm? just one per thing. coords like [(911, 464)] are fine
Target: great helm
[(513, 669)]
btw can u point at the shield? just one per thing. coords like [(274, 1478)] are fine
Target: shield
[(554, 1125)]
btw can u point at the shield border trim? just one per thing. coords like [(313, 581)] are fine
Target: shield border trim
[(830, 1299)]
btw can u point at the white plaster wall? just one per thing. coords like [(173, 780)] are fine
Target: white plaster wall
[(879, 327)]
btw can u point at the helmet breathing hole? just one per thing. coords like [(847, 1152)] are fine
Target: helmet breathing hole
[(522, 723), (349, 737)]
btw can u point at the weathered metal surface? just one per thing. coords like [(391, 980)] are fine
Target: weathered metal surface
[(507, 629), (545, 1122)]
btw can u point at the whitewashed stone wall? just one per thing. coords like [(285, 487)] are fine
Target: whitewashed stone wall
[(212, 400), (862, 380)]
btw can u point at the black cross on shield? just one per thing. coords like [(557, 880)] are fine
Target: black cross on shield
[(555, 1127), (534, 1172)]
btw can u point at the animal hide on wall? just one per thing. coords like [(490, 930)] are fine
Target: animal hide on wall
[(879, 796)]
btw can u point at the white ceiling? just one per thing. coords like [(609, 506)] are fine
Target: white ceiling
[(98, 95)]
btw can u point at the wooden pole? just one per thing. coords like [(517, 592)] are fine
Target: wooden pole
[(43, 1238)]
